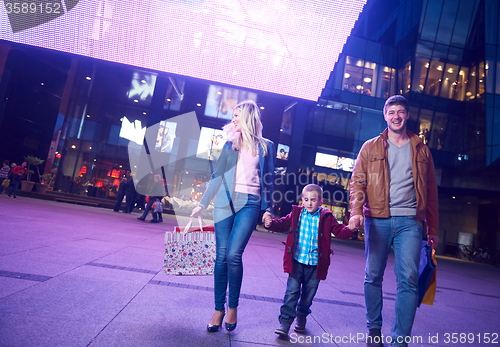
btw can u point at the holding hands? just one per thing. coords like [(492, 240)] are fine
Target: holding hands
[(355, 222), (267, 219)]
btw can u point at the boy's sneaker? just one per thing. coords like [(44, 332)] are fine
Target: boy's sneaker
[(374, 338), (300, 324), (282, 331)]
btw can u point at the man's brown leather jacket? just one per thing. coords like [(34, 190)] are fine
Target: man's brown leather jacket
[(370, 181)]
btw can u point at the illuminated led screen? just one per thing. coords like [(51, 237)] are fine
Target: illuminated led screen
[(286, 47), (334, 162)]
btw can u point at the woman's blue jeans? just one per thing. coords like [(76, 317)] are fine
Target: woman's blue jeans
[(404, 234), (232, 232)]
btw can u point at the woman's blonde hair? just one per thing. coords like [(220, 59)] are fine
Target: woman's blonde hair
[(250, 134)]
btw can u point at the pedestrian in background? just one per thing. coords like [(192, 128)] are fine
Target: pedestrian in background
[(4, 173), (18, 173)]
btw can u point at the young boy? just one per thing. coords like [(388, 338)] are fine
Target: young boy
[(307, 254)]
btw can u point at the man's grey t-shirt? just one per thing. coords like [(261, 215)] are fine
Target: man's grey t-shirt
[(402, 199)]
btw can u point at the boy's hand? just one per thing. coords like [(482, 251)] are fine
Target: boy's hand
[(355, 222), (267, 219)]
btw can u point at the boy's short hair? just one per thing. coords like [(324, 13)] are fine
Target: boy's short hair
[(313, 188)]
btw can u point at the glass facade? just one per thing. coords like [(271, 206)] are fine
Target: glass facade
[(445, 61)]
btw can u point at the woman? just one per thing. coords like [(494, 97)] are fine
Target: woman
[(242, 185)]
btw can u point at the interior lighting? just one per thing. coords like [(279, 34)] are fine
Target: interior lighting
[(450, 70), (135, 100), (90, 147), (88, 116), (169, 100), (73, 146), (143, 81), (440, 68), (427, 65), (144, 113), (219, 93), (262, 107), (359, 87), (453, 197), (421, 86), (461, 73), (88, 78), (480, 81), (486, 67), (367, 79), (347, 75), (42, 84), (198, 104)]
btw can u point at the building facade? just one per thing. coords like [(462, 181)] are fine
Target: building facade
[(443, 56)]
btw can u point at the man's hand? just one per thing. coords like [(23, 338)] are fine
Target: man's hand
[(432, 240), (355, 222)]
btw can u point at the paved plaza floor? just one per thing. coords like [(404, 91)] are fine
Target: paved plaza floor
[(73, 275)]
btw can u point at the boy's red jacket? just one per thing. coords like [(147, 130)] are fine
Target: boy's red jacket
[(327, 225)]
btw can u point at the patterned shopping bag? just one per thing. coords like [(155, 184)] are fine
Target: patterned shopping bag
[(190, 250)]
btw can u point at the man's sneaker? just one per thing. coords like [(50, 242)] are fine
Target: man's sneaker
[(282, 331), (300, 324), (374, 338)]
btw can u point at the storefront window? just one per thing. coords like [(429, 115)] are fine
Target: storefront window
[(385, 82), (425, 125), (436, 139), (480, 79), (353, 75), (420, 76), (434, 77), (471, 86), (406, 79)]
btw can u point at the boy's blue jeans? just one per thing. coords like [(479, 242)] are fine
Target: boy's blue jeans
[(301, 288), (405, 236), (232, 232)]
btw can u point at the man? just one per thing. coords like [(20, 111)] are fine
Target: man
[(393, 191)]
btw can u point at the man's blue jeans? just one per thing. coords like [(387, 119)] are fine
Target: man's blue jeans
[(232, 232), (302, 284), (404, 234)]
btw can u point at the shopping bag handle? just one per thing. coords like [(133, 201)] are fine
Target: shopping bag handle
[(188, 225)]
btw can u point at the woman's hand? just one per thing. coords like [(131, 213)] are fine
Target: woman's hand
[(196, 211), (267, 219)]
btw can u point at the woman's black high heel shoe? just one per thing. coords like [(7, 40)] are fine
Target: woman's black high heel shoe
[(215, 328), (230, 326)]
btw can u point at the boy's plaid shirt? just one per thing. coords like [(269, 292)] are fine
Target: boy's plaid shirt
[(306, 244)]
